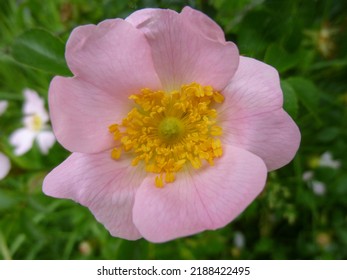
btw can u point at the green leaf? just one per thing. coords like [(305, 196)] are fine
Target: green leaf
[(32, 160), (328, 134), (10, 96), (290, 100), (7, 200), (40, 49), (17, 243), (4, 251), (341, 187), (280, 59), (308, 94)]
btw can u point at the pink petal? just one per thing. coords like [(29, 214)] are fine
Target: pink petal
[(254, 89), (203, 24), (273, 136), (105, 186), (204, 199), (182, 52), (113, 56), (252, 116), (81, 114)]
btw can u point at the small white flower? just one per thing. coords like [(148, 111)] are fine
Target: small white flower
[(35, 126), (307, 176), (326, 160), (5, 166), (239, 240), (318, 187), (3, 106)]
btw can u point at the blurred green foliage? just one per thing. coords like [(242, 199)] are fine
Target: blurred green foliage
[(305, 40)]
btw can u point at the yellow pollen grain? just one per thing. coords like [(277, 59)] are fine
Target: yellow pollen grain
[(159, 181), (170, 131), (36, 122), (218, 97), (116, 153), (170, 177)]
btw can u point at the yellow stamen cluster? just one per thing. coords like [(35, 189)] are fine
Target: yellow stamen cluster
[(36, 122), (166, 131)]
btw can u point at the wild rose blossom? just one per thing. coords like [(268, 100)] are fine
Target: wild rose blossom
[(35, 126), (171, 131)]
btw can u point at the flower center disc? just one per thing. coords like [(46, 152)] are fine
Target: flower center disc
[(168, 131), (36, 122)]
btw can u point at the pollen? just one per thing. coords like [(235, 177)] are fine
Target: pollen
[(36, 122), (170, 132)]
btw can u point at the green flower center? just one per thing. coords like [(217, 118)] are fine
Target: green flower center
[(171, 129)]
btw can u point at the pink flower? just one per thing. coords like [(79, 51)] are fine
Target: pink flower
[(172, 132)]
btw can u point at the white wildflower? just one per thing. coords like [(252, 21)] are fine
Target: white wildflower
[(318, 187), (35, 126), (307, 176), (239, 240), (5, 166), (326, 160), (3, 106)]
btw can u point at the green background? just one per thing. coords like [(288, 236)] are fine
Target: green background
[(304, 40)]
